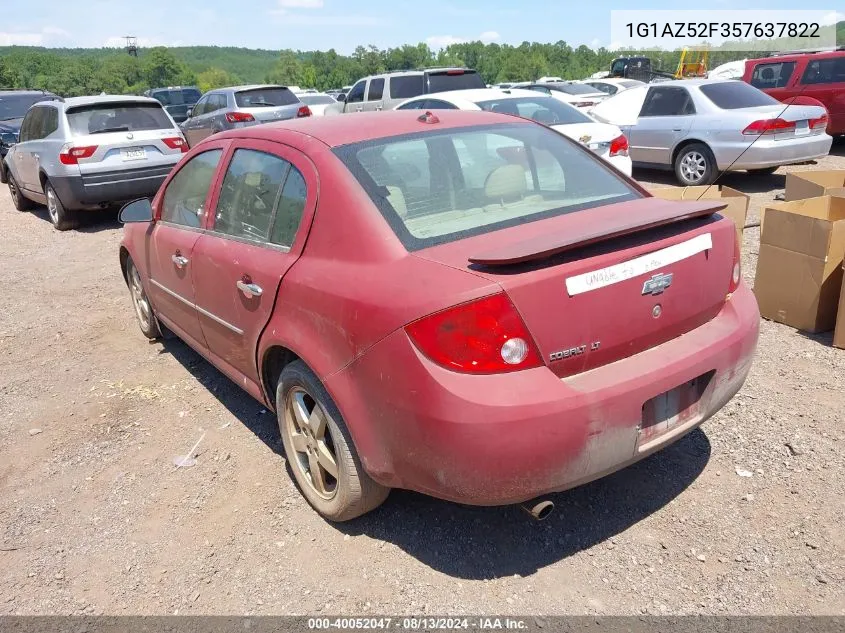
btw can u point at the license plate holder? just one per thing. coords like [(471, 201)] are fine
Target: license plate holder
[(133, 153), (673, 408), (802, 128)]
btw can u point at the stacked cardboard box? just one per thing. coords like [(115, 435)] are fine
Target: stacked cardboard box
[(812, 184), (839, 334), (799, 270)]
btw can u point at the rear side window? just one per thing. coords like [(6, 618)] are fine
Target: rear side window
[(406, 87), (184, 199), (376, 90), (825, 71), (436, 187), (290, 209), (667, 102), (773, 75), (265, 98), (454, 80), (732, 95), (50, 122), (102, 118)]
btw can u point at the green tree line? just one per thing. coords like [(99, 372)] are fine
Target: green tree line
[(73, 72)]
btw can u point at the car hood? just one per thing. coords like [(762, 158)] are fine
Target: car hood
[(11, 125)]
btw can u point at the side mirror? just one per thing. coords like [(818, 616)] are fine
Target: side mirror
[(137, 211), (189, 113), (8, 138), (341, 98)]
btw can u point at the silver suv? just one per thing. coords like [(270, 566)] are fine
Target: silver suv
[(388, 90), (91, 152), (241, 106)]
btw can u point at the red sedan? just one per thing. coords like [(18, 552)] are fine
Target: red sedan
[(463, 303)]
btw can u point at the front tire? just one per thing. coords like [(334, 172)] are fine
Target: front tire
[(63, 219), (3, 178), (320, 450), (695, 165), (147, 321), (21, 202)]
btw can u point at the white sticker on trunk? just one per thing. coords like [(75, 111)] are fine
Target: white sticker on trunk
[(640, 266)]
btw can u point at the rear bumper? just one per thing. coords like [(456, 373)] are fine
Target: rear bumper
[(491, 440), (770, 153), (114, 187)]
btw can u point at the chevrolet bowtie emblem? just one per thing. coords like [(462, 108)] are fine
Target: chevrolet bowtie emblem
[(657, 284)]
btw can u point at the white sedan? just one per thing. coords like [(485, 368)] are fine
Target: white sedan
[(613, 85), (604, 139), (317, 102)]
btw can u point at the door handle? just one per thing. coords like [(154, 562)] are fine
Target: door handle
[(677, 130), (379, 108), (249, 289), (180, 261), (359, 109)]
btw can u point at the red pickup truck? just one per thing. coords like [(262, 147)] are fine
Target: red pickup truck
[(804, 78)]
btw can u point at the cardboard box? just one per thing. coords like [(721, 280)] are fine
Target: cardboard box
[(737, 209), (839, 334), (799, 270), (813, 184)]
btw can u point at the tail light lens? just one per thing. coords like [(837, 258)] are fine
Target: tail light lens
[(486, 336), (619, 146), (769, 126), (70, 155), (239, 117), (176, 142), (820, 123), (736, 271), (304, 111)]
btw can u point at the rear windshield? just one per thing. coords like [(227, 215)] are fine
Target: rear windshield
[(454, 80), (117, 117), (177, 97), (437, 187), (316, 100), (574, 89), (732, 95), (265, 98), (15, 106), (546, 110)]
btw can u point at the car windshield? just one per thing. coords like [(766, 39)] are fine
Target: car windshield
[(437, 187), (15, 106), (102, 118), (733, 95), (545, 110), (316, 100), (454, 80), (573, 89), (186, 96), (265, 98)]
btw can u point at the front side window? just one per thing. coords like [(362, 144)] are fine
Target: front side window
[(437, 187), (102, 118), (184, 199), (250, 194), (776, 75), (356, 95), (667, 102)]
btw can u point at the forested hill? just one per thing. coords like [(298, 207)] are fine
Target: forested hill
[(89, 71)]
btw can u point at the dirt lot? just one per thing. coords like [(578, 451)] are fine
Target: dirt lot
[(95, 518)]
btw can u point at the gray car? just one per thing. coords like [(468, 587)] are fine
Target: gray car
[(241, 106), (91, 152), (700, 127)]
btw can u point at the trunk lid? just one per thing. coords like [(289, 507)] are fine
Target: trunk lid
[(595, 136), (278, 113), (800, 115), (600, 285)]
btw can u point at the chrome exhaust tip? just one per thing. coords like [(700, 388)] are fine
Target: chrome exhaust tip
[(539, 510)]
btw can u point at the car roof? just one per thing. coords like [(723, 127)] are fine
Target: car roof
[(779, 57), (247, 87), (336, 130), (27, 93), (694, 82), (75, 102)]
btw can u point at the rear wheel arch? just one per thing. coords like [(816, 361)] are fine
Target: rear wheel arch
[(275, 359), (124, 257)]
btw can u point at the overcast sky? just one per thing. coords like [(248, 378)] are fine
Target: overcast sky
[(320, 24)]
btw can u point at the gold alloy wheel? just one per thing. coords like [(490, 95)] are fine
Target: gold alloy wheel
[(139, 298), (306, 425)]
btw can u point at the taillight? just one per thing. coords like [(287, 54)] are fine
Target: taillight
[(821, 122), (485, 336), (70, 155), (769, 126), (176, 142), (736, 271), (303, 112), (239, 117), (619, 146)]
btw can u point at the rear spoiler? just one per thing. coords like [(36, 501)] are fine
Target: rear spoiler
[(598, 225)]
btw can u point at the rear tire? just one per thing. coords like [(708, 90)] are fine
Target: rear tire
[(147, 320), (319, 436), (21, 202), (63, 219), (766, 171), (695, 165)]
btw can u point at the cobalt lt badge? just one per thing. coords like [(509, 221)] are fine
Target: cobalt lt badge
[(657, 284)]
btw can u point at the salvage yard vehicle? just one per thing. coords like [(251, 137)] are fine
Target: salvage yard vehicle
[(241, 106), (13, 107), (177, 100), (701, 127), (87, 153), (578, 95), (605, 140), (466, 304)]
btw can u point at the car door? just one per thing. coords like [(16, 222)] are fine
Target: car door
[(23, 161), (355, 98), (191, 127), (665, 118), (43, 146), (375, 95), (180, 219), (268, 194)]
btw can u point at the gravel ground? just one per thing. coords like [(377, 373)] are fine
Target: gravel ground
[(95, 518)]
